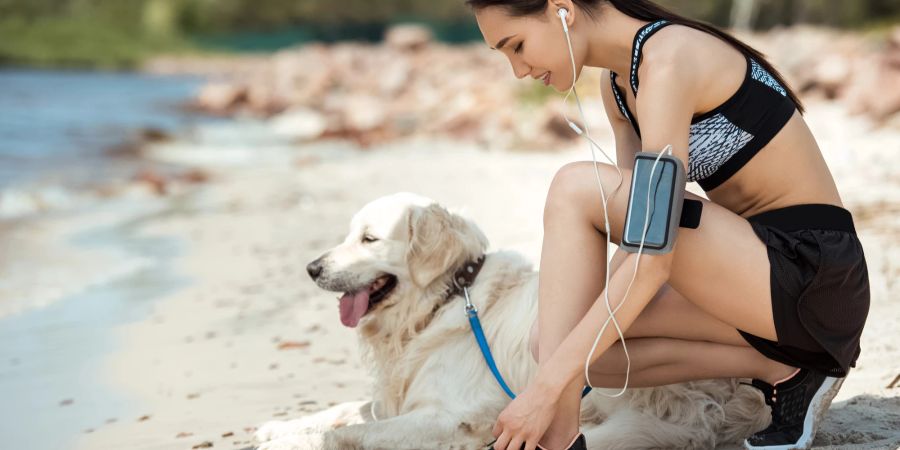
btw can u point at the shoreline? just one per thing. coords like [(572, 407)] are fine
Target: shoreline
[(54, 352)]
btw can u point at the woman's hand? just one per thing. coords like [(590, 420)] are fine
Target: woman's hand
[(526, 418)]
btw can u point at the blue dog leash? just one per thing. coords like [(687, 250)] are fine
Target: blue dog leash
[(472, 313)]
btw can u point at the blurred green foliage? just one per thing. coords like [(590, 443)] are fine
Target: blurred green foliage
[(79, 42), (114, 33), (110, 34)]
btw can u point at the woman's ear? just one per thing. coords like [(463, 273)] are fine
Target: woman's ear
[(553, 10)]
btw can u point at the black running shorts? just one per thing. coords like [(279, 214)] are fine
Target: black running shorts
[(819, 285)]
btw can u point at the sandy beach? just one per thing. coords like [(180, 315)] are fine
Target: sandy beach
[(241, 335), (174, 311)]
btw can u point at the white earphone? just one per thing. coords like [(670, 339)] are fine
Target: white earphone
[(563, 13)]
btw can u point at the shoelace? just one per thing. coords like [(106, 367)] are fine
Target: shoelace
[(787, 408)]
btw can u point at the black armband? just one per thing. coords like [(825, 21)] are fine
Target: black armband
[(690, 213)]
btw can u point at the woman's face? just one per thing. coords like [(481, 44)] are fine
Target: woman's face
[(536, 46)]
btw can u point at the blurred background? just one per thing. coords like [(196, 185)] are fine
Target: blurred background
[(168, 168), (98, 33)]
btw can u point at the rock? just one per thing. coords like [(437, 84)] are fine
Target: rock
[(221, 97), (557, 126), (364, 112), (293, 345), (894, 38), (154, 135), (408, 37), (155, 180), (394, 77), (195, 176), (875, 88), (263, 99), (299, 123), (878, 92), (832, 74)]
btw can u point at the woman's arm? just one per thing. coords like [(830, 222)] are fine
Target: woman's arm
[(567, 362), (664, 108)]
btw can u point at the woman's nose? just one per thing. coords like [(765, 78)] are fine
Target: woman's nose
[(520, 69)]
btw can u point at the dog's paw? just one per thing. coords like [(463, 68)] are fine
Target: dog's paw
[(301, 441), (276, 429)]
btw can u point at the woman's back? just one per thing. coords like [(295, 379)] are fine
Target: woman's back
[(788, 169)]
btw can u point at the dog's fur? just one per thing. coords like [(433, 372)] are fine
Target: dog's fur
[(432, 387)]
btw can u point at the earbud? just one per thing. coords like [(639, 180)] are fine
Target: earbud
[(563, 12)]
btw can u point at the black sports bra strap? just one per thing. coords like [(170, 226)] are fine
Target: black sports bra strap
[(618, 95), (639, 38), (620, 101)]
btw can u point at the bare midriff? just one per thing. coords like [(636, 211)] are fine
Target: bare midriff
[(789, 170)]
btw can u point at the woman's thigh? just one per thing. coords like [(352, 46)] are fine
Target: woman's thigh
[(662, 361), (670, 314), (721, 266)]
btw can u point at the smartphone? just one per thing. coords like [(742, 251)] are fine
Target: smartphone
[(666, 186)]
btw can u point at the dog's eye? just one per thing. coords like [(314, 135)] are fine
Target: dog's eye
[(366, 239)]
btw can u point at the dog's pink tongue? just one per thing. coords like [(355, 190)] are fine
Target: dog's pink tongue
[(353, 306)]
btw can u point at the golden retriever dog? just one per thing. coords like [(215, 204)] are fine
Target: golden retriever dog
[(432, 388)]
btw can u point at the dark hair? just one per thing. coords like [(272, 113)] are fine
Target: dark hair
[(643, 10)]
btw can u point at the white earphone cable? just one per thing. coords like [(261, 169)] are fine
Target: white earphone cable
[(591, 143)]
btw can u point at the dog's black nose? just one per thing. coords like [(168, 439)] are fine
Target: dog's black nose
[(314, 268)]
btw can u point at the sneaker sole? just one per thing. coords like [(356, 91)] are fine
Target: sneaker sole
[(819, 404)]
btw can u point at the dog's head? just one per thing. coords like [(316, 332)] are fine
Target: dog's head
[(401, 248)]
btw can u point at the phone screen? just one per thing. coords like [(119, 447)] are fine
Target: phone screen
[(662, 187)]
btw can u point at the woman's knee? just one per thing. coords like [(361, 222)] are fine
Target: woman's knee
[(563, 189), (574, 189)]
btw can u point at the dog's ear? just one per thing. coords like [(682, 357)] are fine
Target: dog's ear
[(438, 242)]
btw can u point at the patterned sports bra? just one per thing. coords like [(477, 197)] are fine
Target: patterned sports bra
[(725, 138)]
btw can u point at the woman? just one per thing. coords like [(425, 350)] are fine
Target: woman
[(772, 285)]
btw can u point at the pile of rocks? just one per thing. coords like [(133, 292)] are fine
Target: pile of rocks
[(413, 85), (373, 93)]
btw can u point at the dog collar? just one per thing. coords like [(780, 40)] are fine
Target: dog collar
[(465, 276)]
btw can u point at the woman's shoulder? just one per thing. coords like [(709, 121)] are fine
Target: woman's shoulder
[(681, 47), (689, 54)]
